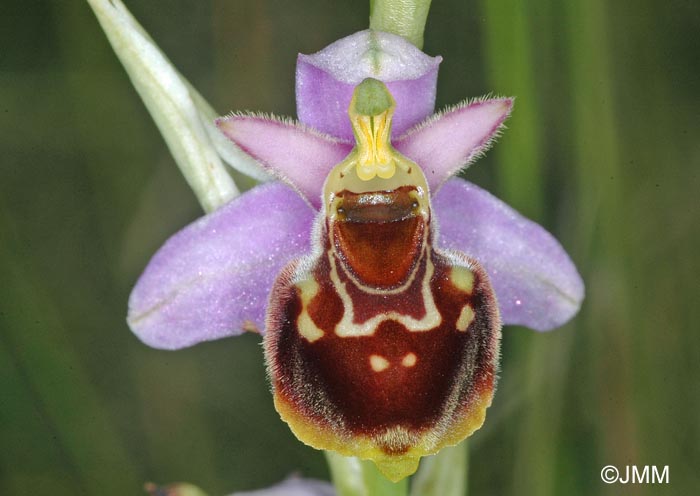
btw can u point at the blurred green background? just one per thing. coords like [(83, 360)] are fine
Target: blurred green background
[(602, 149)]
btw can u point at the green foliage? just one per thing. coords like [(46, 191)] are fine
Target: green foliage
[(601, 149)]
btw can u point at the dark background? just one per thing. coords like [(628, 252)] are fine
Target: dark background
[(602, 149)]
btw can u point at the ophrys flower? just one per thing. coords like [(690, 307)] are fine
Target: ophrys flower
[(382, 338)]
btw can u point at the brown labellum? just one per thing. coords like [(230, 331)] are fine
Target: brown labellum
[(379, 345)]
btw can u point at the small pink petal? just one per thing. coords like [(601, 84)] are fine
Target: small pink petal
[(451, 140), (213, 278), (536, 283), (325, 81), (296, 154)]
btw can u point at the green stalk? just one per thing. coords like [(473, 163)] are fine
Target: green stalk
[(598, 163), (444, 474), (511, 46), (168, 98), (403, 17), (508, 44), (354, 477)]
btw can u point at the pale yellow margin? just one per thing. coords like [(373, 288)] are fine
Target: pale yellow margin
[(394, 467)]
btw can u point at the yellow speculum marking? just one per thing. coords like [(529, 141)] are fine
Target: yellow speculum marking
[(409, 360), (305, 324), (466, 317), (378, 363), (463, 279)]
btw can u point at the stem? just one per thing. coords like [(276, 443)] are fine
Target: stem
[(354, 477), (403, 17), (168, 99), (444, 474), (510, 55)]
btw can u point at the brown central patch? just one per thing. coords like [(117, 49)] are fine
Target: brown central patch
[(333, 379), (385, 219), (412, 397)]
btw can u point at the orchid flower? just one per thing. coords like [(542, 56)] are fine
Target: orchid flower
[(379, 280), (216, 278)]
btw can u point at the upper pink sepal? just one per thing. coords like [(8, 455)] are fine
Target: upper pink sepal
[(325, 81), (452, 139), (298, 155)]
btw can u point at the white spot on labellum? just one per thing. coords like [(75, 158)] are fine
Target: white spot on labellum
[(463, 278), (466, 316), (378, 363), (305, 325), (409, 360)]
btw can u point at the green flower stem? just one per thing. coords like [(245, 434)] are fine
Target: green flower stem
[(168, 98), (354, 477), (444, 474), (511, 67), (515, 66), (403, 17)]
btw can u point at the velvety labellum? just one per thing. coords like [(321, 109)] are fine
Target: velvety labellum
[(378, 344)]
